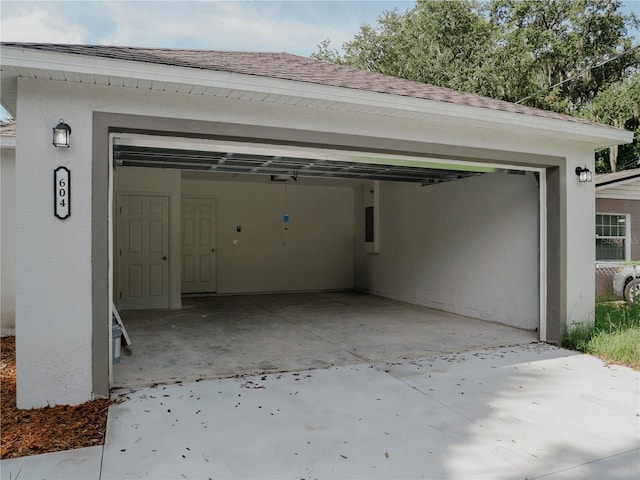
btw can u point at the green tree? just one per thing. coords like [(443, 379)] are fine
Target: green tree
[(441, 43), (563, 40), (326, 53), (619, 106), (559, 55)]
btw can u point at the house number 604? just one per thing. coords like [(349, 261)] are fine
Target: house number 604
[(62, 192)]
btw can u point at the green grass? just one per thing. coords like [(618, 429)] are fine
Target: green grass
[(615, 336)]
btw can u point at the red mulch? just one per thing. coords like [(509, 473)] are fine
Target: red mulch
[(47, 429)]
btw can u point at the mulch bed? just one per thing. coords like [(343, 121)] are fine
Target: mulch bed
[(47, 429)]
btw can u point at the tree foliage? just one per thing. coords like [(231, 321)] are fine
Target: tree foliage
[(562, 40), (560, 55), (619, 106)]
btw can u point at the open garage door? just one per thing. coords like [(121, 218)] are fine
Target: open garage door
[(281, 162), (458, 236)]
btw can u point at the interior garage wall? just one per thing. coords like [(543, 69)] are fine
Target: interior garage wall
[(468, 247), (7, 241), (316, 252)]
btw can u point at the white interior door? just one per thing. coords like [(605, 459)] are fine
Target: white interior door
[(198, 245), (143, 252)]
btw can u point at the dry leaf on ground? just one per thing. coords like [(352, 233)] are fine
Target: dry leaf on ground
[(48, 429)]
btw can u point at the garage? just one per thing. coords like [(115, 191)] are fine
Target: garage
[(302, 178), (216, 218)]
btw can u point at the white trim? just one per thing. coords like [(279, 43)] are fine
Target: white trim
[(110, 248), (483, 117), (542, 327), (627, 236), (617, 197), (615, 184)]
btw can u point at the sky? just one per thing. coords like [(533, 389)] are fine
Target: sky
[(263, 25), (293, 26)]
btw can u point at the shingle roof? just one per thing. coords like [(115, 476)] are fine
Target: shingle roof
[(7, 129), (286, 66)]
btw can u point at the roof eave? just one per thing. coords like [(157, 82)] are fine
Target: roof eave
[(7, 142), (596, 136), (619, 181)]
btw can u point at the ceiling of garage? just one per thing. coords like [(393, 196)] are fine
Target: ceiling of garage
[(278, 166)]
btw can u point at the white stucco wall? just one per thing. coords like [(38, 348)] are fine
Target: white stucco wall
[(7, 241), (53, 256), (469, 247), (53, 275), (315, 253), (580, 242)]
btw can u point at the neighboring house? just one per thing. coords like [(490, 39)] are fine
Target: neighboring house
[(435, 197), (617, 224), (8, 228)]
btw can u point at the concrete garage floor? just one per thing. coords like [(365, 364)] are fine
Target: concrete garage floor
[(224, 336)]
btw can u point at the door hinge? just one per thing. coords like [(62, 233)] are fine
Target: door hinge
[(120, 209), (119, 294), (120, 252)]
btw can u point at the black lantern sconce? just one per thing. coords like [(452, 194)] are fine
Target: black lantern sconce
[(584, 174), (61, 134)]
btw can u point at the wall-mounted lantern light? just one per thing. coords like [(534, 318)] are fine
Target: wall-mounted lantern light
[(61, 134), (584, 174)]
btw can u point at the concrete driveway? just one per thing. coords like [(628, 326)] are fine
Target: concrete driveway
[(529, 411)]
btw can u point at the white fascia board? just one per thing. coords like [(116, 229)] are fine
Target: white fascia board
[(463, 115), (619, 183), (610, 196), (7, 142)]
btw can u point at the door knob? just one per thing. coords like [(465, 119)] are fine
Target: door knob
[(164, 258), (213, 250)]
